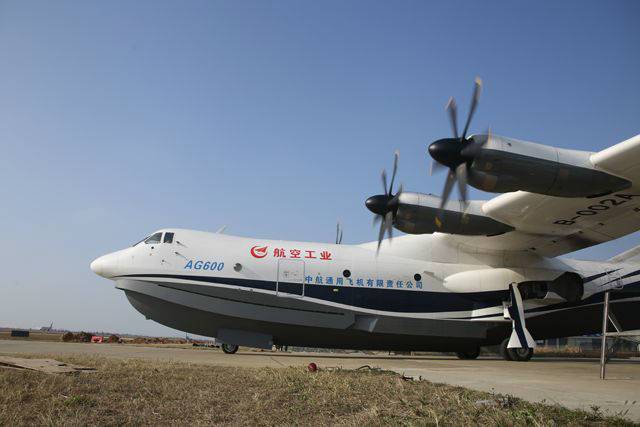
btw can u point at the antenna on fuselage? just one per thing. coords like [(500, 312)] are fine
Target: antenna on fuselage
[(221, 229)]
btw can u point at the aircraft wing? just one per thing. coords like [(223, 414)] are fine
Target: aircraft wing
[(552, 226)]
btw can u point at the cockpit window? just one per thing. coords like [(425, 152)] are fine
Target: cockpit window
[(168, 238), (154, 238), (140, 241)]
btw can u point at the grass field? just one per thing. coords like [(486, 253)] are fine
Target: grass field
[(146, 392)]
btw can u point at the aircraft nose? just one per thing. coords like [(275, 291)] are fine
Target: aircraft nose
[(105, 266), (96, 266)]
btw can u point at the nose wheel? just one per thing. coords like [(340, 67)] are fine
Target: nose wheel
[(515, 354), (229, 348)]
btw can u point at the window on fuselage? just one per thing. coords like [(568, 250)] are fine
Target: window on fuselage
[(154, 238), (168, 238)]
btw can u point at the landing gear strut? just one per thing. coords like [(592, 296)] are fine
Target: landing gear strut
[(229, 348), (519, 346)]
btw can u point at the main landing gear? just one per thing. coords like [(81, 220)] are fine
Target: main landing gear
[(468, 355), (515, 354), (229, 348)]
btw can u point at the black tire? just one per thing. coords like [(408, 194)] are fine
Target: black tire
[(229, 348), (504, 351), (520, 354), (468, 355)]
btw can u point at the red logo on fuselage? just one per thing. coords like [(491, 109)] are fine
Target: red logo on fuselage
[(259, 251)]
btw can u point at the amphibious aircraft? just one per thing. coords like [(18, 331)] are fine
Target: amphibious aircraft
[(467, 274)]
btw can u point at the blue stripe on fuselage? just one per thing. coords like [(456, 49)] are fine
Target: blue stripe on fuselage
[(394, 300)]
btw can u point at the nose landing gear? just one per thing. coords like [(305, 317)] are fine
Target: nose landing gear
[(515, 354), (519, 346)]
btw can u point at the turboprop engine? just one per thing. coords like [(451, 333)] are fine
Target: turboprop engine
[(418, 213), (499, 165), (532, 283)]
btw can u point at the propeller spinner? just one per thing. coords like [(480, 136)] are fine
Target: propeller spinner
[(385, 206), (456, 153)]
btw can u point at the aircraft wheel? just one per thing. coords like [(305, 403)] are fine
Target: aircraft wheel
[(520, 354), (468, 355), (229, 348), (504, 351)]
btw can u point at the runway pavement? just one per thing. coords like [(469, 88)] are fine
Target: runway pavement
[(573, 383)]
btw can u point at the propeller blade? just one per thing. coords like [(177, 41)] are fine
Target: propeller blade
[(395, 169), (381, 235), (340, 238), (452, 109), (386, 227), (384, 181), (486, 141), (337, 233), (473, 149), (435, 167), (396, 197), (388, 220), (461, 175), (385, 210), (474, 103), (448, 185)]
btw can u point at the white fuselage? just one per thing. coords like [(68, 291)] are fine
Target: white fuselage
[(412, 277)]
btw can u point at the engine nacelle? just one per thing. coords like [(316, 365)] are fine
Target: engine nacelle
[(417, 214), (504, 165), (533, 284)]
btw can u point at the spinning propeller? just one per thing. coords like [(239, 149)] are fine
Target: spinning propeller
[(456, 153), (385, 206)]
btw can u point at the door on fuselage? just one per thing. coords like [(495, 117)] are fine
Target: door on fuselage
[(290, 278)]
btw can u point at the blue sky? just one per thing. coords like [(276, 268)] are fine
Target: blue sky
[(274, 118)]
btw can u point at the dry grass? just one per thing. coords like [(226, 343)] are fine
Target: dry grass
[(146, 392)]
